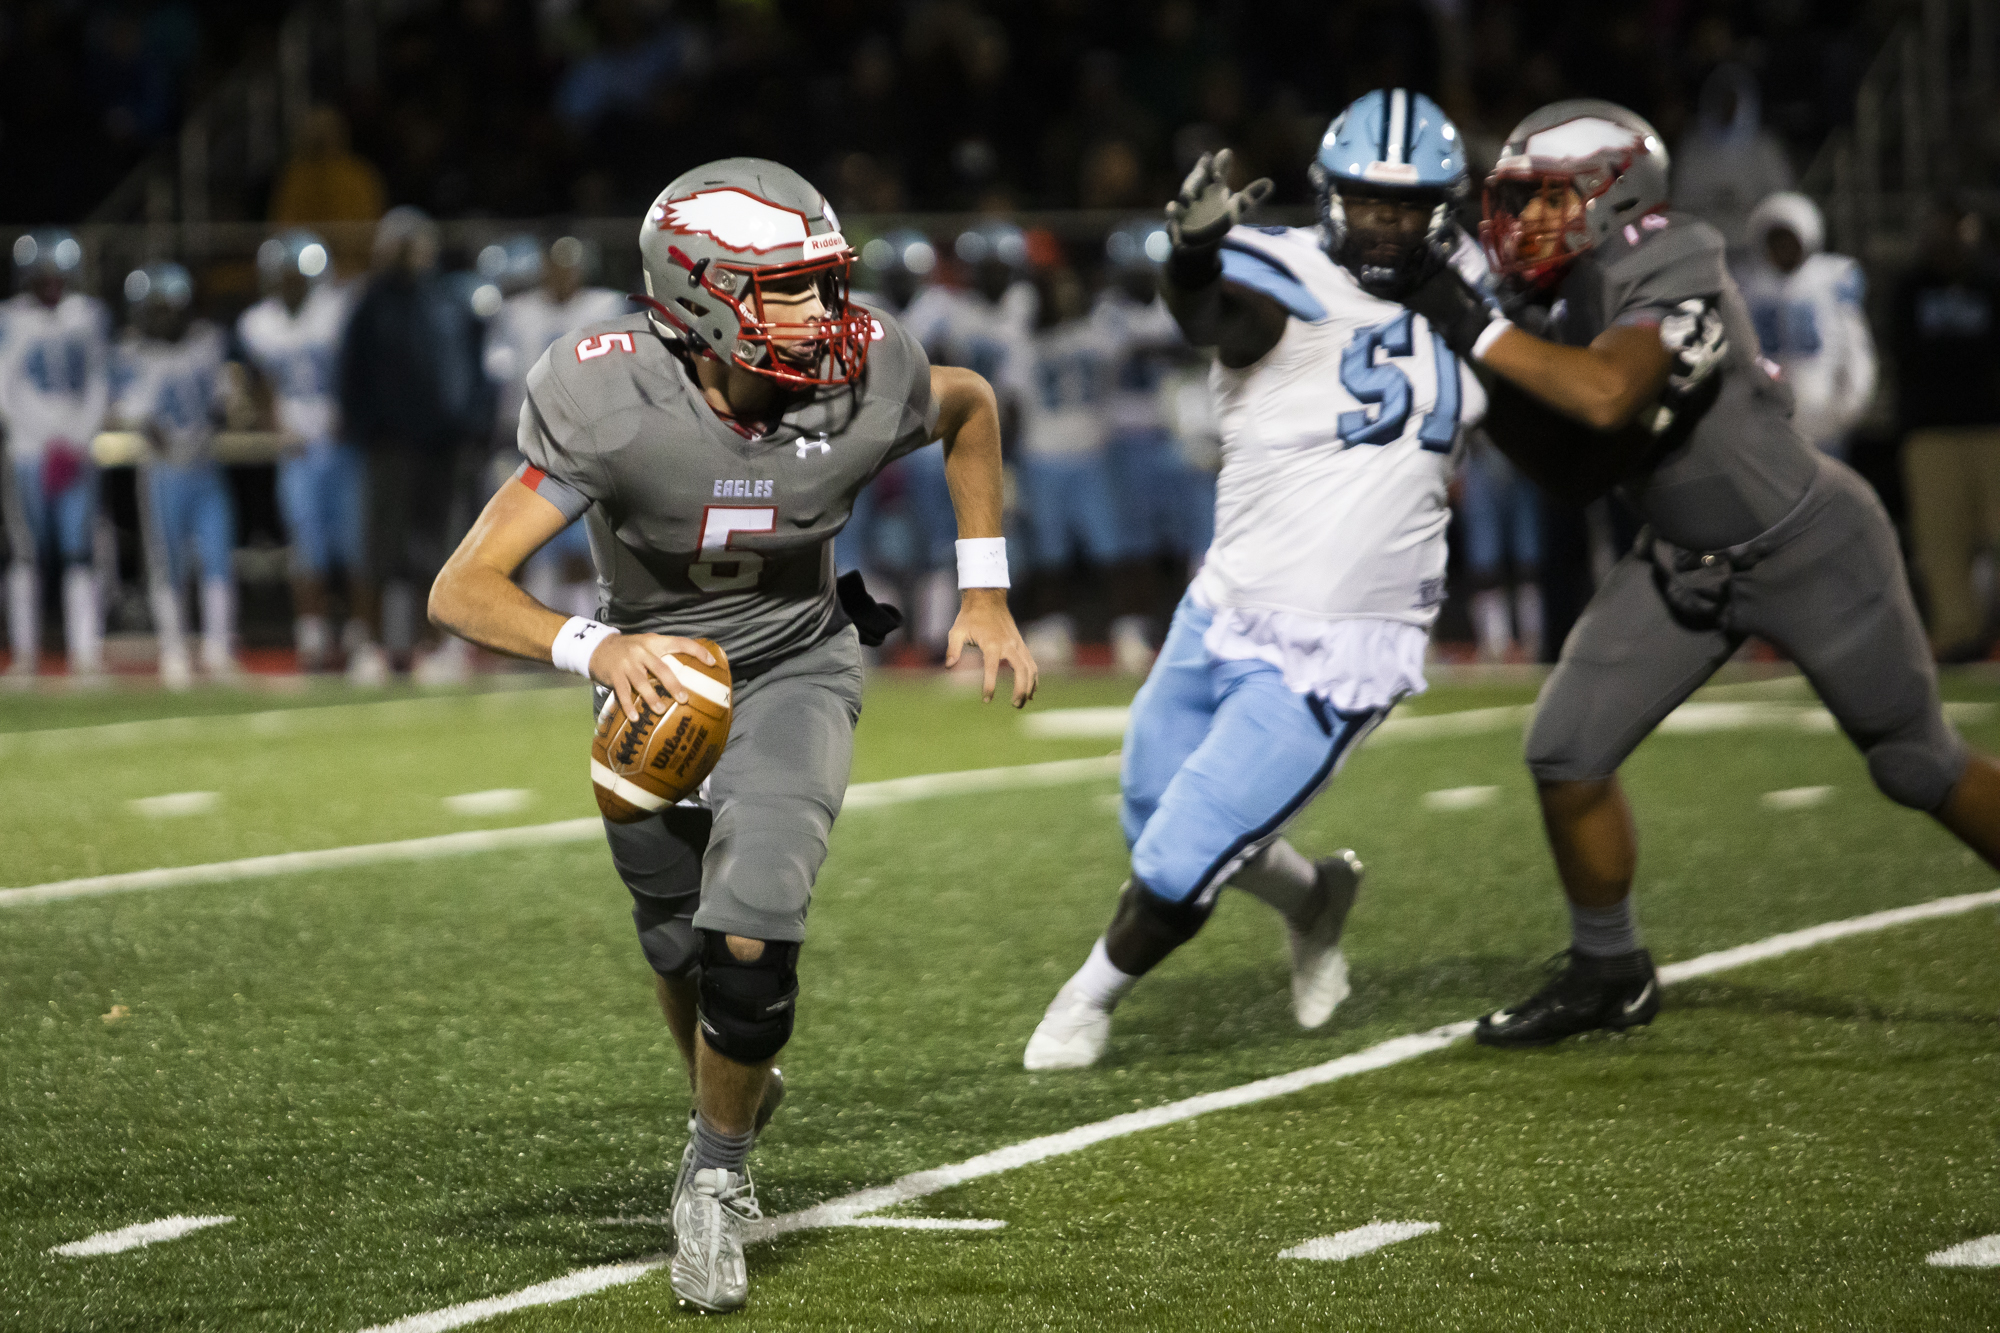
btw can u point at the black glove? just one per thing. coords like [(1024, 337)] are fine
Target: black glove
[(1202, 214), (874, 621), (1454, 309)]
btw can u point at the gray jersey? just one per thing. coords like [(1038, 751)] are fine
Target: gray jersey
[(696, 528), (1730, 465)]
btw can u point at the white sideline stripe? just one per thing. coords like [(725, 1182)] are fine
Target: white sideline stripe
[(1794, 940), (849, 1209), (625, 790), (274, 721), (1981, 1253), (140, 1233), (929, 1223), (583, 1282), (861, 796), (1361, 1240)]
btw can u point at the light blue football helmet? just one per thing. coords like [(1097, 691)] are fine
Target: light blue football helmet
[(294, 251), (47, 255), (164, 284), (512, 265), (1389, 143), (1142, 243)]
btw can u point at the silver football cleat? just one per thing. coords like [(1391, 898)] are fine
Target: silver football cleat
[(1319, 969), (709, 1216), (1072, 1035)]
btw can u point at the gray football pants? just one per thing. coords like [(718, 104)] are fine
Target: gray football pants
[(746, 865), (1831, 593)]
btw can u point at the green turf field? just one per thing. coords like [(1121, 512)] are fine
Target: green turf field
[(419, 1084)]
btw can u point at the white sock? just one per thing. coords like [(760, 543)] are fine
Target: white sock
[(24, 614), (82, 622), (1099, 981), (1490, 623), (1528, 619), (165, 604), (1280, 876), (313, 637), (218, 623)]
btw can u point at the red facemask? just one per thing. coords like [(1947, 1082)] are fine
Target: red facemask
[(829, 351)]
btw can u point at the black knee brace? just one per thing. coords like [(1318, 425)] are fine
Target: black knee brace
[(1919, 763), (1147, 927), (747, 1008)]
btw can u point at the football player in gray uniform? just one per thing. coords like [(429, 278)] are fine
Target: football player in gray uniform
[(714, 443), (1630, 361)]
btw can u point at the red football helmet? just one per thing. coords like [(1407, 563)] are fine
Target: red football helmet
[(1570, 174), (725, 243)]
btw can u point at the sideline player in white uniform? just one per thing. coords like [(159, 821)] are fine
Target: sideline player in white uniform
[(167, 381), (292, 337), (558, 303), (54, 388), (1341, 416), (1807, 307)]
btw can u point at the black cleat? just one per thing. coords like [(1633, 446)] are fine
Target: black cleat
[(1589, 993)]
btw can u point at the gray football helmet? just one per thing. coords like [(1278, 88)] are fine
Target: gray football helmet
[(1569, 175), (719, 237)]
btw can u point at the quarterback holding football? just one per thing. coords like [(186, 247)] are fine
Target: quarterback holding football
[(714, 443)]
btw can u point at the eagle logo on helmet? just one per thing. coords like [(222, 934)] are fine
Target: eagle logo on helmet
[(734, 218)]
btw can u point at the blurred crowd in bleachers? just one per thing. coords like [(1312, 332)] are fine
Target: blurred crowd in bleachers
[(528, 108), (386, 443)]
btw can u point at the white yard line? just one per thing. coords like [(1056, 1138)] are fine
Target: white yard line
[(860, 796), (132, 1237), (278, 721), (1361, 1240), (854, 1209)]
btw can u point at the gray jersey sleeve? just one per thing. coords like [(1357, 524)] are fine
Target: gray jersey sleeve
[(902, 358), (557, 435)]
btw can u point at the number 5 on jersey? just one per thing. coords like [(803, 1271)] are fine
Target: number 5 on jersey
[(722, 567)]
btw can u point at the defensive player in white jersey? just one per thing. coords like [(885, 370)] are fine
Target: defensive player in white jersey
[(167, 377), (1807, 307), (556, 304), (292, 339), (1341, 415), (54, 388)]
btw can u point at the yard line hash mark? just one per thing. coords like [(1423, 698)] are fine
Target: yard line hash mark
[(1460, 798), (173, 805), (1981, 1253), (1361, 1240), (499, 801), (132, 1237), (860, 796), (1796, 798), (855, 1208)]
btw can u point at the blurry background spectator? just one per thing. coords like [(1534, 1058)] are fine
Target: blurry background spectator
[(1945, 327), (1728, 160), (326, 180), (1810, 318), (413, 396)]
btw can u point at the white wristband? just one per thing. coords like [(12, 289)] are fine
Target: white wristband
[(982, 562), (1488, 335), (575, 642)]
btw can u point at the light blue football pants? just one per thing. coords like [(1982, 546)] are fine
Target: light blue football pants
[(1219, 757)]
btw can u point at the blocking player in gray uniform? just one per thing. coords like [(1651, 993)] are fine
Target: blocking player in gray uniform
[(1645, 351), (714, 444)]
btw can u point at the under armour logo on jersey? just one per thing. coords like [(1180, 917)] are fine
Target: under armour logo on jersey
[(602, 344), (820, 442)]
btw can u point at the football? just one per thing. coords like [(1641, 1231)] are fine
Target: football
[(639, 768)]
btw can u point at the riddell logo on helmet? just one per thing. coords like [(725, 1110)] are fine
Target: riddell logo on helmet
[(741, 221)]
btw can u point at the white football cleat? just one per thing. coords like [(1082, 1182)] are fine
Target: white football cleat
[(1072, 1035), (368, 667), (1319, 969), (709, 1216)]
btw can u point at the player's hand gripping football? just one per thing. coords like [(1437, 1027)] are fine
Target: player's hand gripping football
[(985, 623), (630, 666), (1206, 208)]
